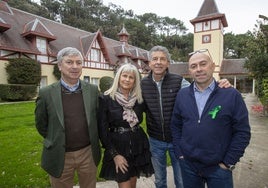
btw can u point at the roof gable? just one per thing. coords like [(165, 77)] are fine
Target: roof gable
[(87, 42), (37, 28)]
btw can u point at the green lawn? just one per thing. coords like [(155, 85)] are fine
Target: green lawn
[(20, 148)]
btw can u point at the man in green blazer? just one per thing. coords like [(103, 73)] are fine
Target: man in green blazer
[(65, 117)]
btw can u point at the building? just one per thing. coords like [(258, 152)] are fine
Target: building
[(30, 36), (208, 34), (26, 35)]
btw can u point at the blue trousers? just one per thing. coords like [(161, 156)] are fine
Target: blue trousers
[(159, 160), (221, 178)]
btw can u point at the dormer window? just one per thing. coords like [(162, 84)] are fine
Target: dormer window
[(41, 44), (95, 55)]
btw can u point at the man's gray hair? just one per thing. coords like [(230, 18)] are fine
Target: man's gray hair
[(68, 51), (160, 49)]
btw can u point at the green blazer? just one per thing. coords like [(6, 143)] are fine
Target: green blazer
[(50, 125)]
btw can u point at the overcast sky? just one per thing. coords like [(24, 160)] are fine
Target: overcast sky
[(241, 15)]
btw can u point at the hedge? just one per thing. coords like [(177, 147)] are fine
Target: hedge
[(17, 92)]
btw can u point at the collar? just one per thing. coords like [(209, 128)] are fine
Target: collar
[(211, 86), (66, 86), (161, 80)]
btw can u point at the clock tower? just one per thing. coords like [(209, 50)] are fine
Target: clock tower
[(208, 32)]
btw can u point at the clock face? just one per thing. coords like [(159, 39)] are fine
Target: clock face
[(206, 38)]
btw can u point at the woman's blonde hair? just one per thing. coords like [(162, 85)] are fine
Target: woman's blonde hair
[(136, 89)]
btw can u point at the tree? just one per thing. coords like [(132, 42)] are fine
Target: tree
[(235, 46), (139, 34), (257, 63)]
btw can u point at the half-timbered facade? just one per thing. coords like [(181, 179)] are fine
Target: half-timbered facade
[(26, 35)]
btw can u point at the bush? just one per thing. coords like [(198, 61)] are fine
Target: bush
[(23, 71), (23, 77), (105, 83), (56, 72), (17, 92)]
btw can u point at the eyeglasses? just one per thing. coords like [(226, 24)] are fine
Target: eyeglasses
[(200, 51)]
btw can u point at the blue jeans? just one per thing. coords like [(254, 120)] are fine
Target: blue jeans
[(221, 178), (159, 159)]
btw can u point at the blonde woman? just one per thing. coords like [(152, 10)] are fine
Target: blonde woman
[(127, 154)]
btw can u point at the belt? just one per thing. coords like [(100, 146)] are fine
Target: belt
[(122, 130)]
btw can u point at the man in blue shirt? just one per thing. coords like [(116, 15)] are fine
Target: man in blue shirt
[(209, 126)]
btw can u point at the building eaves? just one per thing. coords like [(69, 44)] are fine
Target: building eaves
[(233, 67), (4, 26)]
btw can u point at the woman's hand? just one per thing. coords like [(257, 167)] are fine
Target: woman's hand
[(121, 163)]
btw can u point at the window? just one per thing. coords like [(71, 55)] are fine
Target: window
[(95, 81), (95, 55), (198, 27), (206, 25), (86, 79), (41, 44), (215, 24)]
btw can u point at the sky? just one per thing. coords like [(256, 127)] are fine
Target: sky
[(241, 15)]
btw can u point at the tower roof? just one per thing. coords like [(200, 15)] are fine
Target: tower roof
[(209, 11), (123, 31)]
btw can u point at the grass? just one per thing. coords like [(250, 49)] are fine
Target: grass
[(20, 148)]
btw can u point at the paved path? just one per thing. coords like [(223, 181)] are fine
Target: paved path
[(142, 182), (250, 172)]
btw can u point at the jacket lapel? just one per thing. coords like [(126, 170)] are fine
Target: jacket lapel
[(57, 101), (87, 99)]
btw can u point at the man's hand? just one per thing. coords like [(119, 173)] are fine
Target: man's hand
[(121, 163), (224, 83), (223, 166)]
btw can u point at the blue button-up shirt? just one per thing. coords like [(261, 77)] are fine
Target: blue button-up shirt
[(65, 85), (201, 97)]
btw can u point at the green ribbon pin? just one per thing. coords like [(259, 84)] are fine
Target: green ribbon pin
[(214, 112)]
